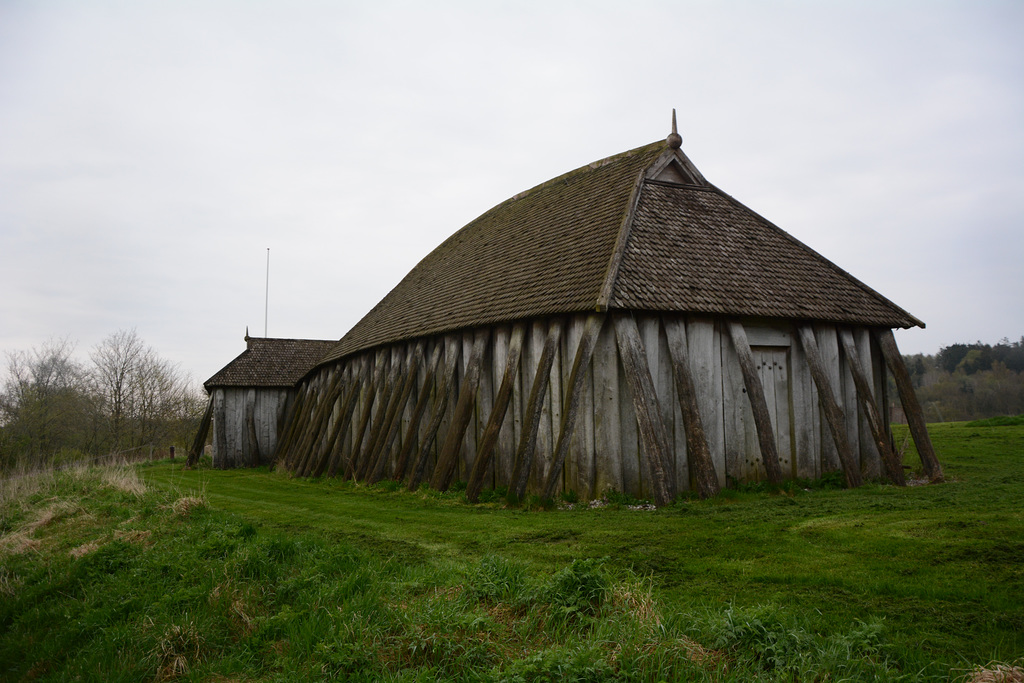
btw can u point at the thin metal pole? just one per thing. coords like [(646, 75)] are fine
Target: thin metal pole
[(266, 300)]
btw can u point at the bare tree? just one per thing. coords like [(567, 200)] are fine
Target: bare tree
[(45, 405), (116, 362)]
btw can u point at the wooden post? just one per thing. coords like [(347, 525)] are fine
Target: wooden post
[(833, 413), (915, 417), (411, 442), (394, 419), (497, 416), (448, 459), (441, 398), (337, 442), (696, 440), (577, 380), (653, 437), (319, 422), (322, 450), (200, 441), (372, 389), (534, 406), (758, 403), (388, 395), (284, 452), (860, 378)]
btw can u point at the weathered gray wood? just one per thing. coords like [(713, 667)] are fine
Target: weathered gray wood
[(317, 425), (285, 452), (199, 443), (699, 454), (870, 458), (385, 413), (781, 411), (533, 413), (863, 386), (577, 380), (393, 419), (551, 418), (851, 407), (323, 455), (359, 375), (504, 450), (911, 407), (607, 434), (758, 403), (653, 439), (220, 444), (828, 351), (806, 417), (497, 417), (704, 344), (411, 442), (366, 412), (379, 422), (830, 406), (447, 387), (252, 445), (449, 458)]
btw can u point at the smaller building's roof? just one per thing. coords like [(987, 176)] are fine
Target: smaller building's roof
[(269, 362)]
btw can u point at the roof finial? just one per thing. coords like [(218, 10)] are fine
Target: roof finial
[(675, 141)]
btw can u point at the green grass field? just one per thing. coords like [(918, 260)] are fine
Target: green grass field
[(251, 575)]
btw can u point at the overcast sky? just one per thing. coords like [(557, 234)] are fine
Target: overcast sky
[(151, 153)]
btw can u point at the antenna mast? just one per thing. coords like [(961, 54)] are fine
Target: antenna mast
[(266, 300)]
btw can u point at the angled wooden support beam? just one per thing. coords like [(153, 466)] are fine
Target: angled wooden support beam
[(314, 433), (394, 419), (653, 437), (372, 389), (696, 440), (360, 376), (322, 455), (452, 448), (833, 413), (199, 443), (531, 418), (574, 392), (387, 396), (890, 462), (758, 403), (285, 452), (911, 407), (485, 451), (410, 443), (252, 443), (310, 415), (452, 353)]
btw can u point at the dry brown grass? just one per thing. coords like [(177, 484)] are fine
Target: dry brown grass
[(141, 537), (184, 506), (996, 672), (84, 549), (124, 478)]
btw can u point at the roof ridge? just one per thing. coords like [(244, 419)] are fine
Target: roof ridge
[(615, 260)]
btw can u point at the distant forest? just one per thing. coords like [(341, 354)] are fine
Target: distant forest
[(970, 381)]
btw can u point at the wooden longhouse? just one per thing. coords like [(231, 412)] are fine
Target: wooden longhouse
[(624, 326), (249, 398)]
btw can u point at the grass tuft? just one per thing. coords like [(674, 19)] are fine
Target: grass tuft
[(186, 505)]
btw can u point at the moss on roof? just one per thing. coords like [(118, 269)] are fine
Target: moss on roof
[(645, 244)]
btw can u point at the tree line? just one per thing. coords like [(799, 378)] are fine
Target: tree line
[(970, 381), (125, 400)]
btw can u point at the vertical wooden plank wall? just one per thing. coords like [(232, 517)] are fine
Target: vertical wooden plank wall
[(604, 449)]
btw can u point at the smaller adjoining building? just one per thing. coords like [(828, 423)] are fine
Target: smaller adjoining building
[(250, 397)]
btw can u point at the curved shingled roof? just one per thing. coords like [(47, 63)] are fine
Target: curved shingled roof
[(641, 230)]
